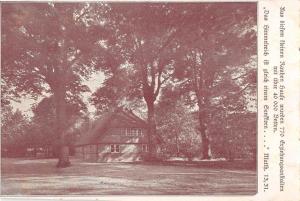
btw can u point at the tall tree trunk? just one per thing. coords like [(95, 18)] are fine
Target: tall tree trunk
[(151, 129), (177, 145), (60, 106), (205, 152), (199, 88)]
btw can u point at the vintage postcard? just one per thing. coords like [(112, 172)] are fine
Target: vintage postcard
[(122, 100)]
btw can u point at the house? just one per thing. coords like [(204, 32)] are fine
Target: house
[(118, 136)]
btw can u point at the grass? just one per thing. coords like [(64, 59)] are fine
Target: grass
[(40, 177)]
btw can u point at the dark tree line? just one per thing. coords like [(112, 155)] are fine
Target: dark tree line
[(195, 62)]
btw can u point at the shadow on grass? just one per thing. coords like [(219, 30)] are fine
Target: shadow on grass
[(230, 165)]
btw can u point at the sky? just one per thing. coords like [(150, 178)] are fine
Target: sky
[(93, 83)]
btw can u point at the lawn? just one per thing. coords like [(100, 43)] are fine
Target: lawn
[(40, 177)]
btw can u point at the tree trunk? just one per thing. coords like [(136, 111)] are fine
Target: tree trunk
[(177, 145), (199, 86), (151, 130), (34, 152), (63, 160), (60, 106), (205, 152)]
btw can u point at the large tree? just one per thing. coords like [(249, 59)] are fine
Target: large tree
[(146, 35), (50, 48), (218, 62), (206, 45), (176, 124)]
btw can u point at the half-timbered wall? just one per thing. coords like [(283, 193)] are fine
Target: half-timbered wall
[(103, 152)]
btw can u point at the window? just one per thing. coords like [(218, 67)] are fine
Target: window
[(135, 132), (115, 148), (145, 148)]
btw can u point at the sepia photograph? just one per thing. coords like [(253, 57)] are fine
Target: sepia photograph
[(128, 98)]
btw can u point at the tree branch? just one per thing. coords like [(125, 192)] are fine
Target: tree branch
[(81, 15), (240, 76), (77, 57), (159, 83)]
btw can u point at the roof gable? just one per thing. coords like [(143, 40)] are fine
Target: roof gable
[(117, 118)]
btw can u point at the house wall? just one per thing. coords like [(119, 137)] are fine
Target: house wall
[(102, 153)]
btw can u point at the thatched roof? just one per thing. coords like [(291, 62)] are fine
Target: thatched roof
[(100, 126)]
